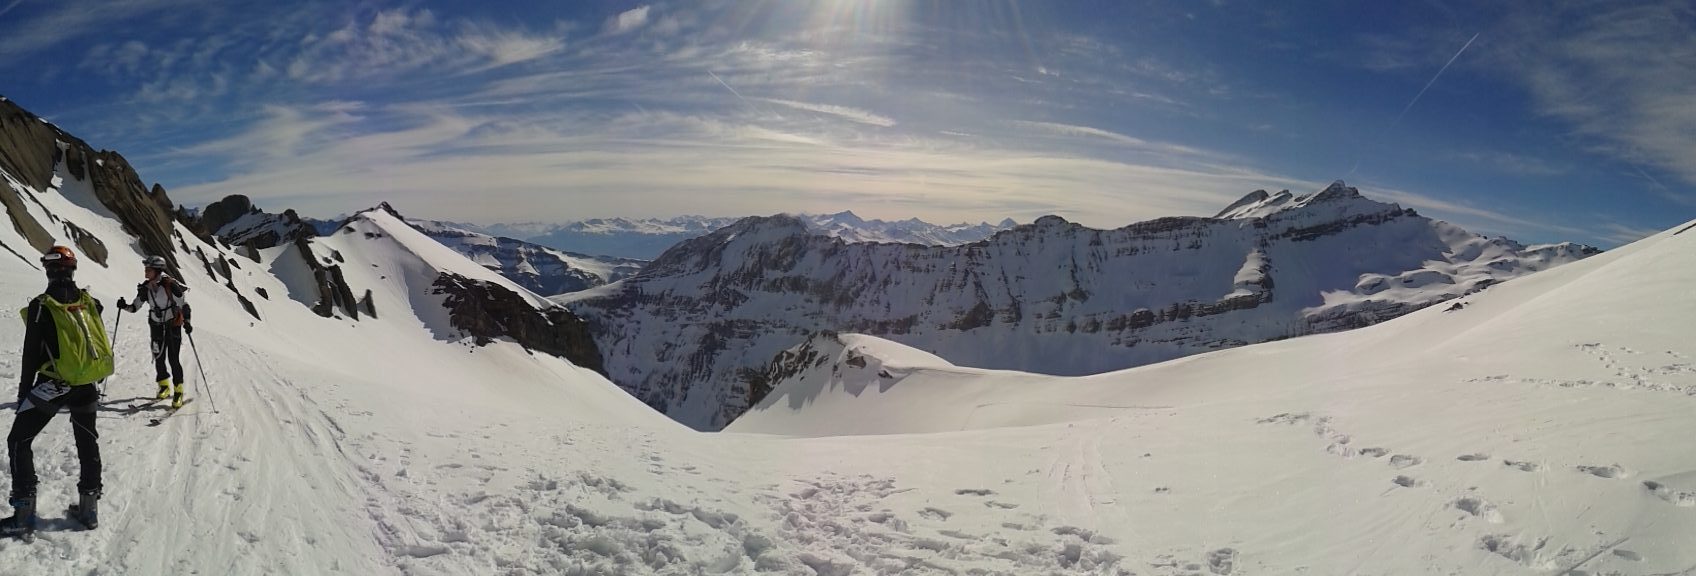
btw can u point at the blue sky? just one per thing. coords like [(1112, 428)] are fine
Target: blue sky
[(1572, 121)]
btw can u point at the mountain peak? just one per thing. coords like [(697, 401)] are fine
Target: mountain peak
[(1256, 204), (1253, 198), (847, 217), (383, 207), (1338, 190)]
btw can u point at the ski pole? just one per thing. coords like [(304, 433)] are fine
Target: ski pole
[(113, 341), (202, 368)]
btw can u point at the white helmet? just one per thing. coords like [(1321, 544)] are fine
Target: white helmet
[(156, 262)]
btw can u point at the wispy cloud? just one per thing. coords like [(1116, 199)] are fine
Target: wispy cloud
[(628, 21), (1622, 234), (1072, 130), (1619, 73), (1479, 219), (728, 108), (658, 163), (65, 21), (1511, 163), (844, 112), (500, 47)]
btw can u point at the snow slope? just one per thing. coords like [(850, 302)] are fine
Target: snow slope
[(1539, 430), (1051, 297), (387, 446), (538, 268)]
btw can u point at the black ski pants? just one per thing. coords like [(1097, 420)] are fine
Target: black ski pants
[(82, 400), (167, 351)]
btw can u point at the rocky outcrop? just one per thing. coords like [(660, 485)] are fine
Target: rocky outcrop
[(217, 215), (333, 292), (88, 246), (26, 225), (368, 304), (488, 311), (31, 149), (237, 222)]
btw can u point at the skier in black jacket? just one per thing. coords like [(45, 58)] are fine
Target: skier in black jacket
[(41, 396)]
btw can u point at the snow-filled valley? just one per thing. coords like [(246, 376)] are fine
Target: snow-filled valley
[(1539, 429)]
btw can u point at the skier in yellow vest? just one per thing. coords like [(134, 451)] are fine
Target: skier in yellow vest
[(168, 318), (65, 350)]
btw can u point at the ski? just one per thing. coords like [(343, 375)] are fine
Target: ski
[(168, 413), (139, 406)]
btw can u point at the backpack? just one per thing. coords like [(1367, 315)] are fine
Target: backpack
[(85, 354)]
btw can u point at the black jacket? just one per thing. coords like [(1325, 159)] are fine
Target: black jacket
[(41, 341)]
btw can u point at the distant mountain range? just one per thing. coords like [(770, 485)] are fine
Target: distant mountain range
[(540, 269), (694, 332), (647, 238)]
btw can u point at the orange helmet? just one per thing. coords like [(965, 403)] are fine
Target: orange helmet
[(59, 257)]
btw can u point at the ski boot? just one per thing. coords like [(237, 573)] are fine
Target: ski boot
[(164, 389), (22, 523), (178, 399), (87, 510)]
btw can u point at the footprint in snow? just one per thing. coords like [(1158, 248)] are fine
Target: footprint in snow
[(1628, 555), (1480, 509), (1400, 461), (974, 492), (1680, 499), (1373, 452), (1222, 561), (1473, 457), (1522, 466), (1406, 481), (1610, 472), (935, 514)]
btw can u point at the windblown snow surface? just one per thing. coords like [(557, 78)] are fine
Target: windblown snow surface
[(1543, 427)]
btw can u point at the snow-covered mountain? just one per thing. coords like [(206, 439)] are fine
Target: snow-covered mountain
[(537, 268), (616, 237), (237, 221), (1517, 435), (1535, 430), (852, 228), (648, 238), (689, 333)]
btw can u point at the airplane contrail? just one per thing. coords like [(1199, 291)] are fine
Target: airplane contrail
[(1434, 78), (726, 86), (1421, 94)]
